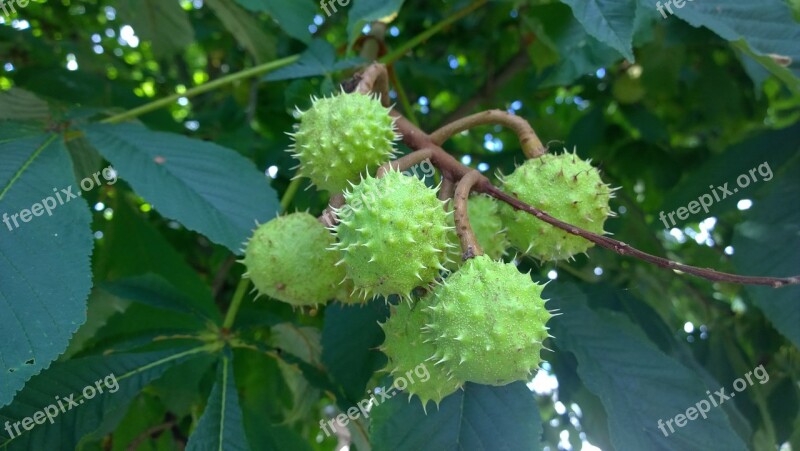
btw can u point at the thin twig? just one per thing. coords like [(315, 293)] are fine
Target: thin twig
[(469, 242), (531, 144)]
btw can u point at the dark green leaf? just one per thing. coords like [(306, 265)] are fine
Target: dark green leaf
[(349, 344), (120, 376), (246, 28), (189, 180), (303, 342), (638, 384), (609, 21), (318, 59), (163, 22), (581, 54), (220, 427), (85, 158), (767, 26), (45, 274), (365, 11), (766, 245), (19, 104), (133, 247), (259, 376), (724, 169), (480, 417), (294, 16), (154, 290)]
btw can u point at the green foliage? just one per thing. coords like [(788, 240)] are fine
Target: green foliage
[(477, 417), (46, 273), (190, 102), (611, 353), (764, 241), (221, 426), (183, 178)]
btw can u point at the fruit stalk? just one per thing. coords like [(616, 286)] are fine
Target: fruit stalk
[(405, 162), (531, 145), (469, 242)]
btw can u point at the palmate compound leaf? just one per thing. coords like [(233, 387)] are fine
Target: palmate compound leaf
[(220, 427), (637, 384), (121, 376), (206, 187), (45, 274), (480, 417)]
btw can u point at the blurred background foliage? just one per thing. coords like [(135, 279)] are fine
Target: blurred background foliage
[(665, 114)]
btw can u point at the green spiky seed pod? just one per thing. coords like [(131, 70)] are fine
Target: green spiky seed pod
[(288, 259), (340, 137), (347, 294), (484, 217), (392, 232), (407, 352), (487, 323), (565, 187)]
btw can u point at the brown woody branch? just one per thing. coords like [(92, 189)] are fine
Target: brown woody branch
[(374, 79)]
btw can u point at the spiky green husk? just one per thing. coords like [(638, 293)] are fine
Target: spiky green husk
[(340, 137), (565, 187), (487, 323), (287, 259), (485, 219), (392, 232), (347, 293), (406, 350)]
